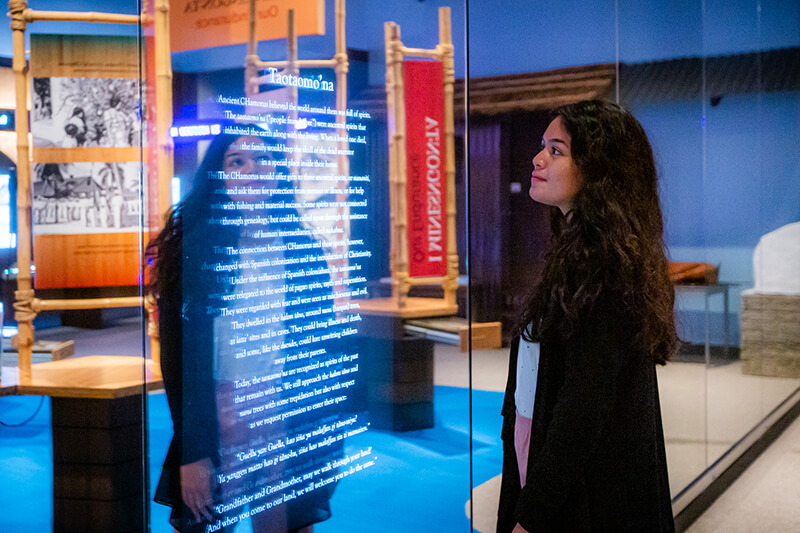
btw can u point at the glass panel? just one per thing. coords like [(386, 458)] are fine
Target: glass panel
[(768, 311), (71, 440), (664, 93), (298, 389), (755, 109), (728, 215), (701, 92), (699, 115)]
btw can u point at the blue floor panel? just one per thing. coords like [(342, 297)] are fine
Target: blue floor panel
[(420, 481)]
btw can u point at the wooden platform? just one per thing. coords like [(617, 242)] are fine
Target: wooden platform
[(414, 308), (453, 330), (94, 376), (97, 424)]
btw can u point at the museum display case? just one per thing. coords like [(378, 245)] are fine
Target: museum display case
[(319, 328)]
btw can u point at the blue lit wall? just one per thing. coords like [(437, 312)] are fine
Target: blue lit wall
[(723, 184), (533, 36)]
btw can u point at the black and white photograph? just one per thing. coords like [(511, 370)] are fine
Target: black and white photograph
[(85, 112), (79, 198)]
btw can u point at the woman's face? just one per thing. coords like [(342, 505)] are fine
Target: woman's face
[(555, 179), (246, 155), (253, 166)]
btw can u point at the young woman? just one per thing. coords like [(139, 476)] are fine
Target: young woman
[(582, 435)]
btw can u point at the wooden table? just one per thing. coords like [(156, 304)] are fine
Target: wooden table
[(707, 291), (94, 376), (414, 308), (459, 331), (99, 460)]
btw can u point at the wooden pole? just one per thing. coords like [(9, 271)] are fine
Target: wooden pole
[(397, 163), (343, 168), (450, 284), (342, 65), (301, 63), (252, 44), (291, 65), (250, 69), (24, 314), (69, 16), (420, 52), (164, 158), (391, 126), (165, 149), (293, 92), (87, 303)]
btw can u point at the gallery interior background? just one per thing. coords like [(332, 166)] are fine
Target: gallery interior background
[(714, 83)]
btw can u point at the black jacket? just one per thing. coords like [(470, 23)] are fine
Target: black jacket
[(597, 460)]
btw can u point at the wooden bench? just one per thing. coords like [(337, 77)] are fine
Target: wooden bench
[(453, 330), (42, 351)]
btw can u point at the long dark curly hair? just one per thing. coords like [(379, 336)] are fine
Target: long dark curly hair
[(189, 218), (610, 246)]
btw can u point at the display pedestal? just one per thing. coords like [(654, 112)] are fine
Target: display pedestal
[(399, 375), (398, 366), (99, 468)]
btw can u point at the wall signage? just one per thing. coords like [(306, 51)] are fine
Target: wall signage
[(205, 24)]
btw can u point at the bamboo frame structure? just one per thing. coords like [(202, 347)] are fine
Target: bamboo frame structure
[(292, 65), (26, 305), (395, 55), (165, 149), (163, 67)]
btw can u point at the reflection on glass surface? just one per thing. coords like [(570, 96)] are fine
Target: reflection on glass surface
[(293, 407), (258, 384)]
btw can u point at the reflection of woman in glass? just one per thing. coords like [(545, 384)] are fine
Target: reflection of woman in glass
[(187, 483), (582, 434), (207, 260)]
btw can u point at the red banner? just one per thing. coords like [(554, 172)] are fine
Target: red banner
[(425, 171)]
